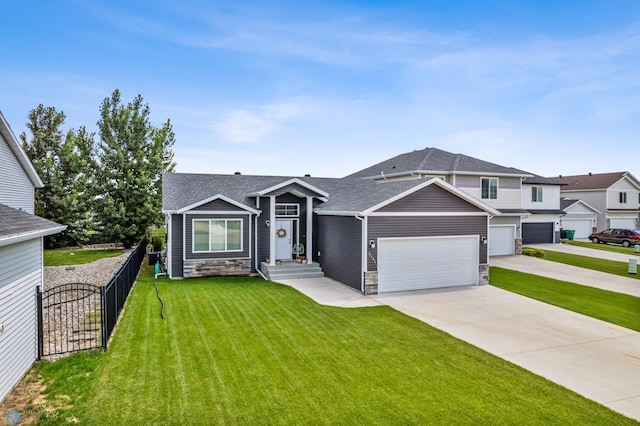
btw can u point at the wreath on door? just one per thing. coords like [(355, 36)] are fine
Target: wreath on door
[(281, 233)]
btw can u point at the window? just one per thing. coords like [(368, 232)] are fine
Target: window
[(536, 194), (623, 197), (286, 210), (217, 235), (490, 188)]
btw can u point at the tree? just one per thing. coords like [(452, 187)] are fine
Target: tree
[(131, 156), (65, 165)]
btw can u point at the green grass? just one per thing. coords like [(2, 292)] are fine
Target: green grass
[(605, 247), (616, 308), (60, 257), (593, 263), (247, 351)]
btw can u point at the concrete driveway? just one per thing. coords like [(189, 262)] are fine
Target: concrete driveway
[(596, 359)]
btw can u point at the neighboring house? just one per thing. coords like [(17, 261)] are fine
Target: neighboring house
[(615, 195), (579, 217), (21, 259), (541, 198), (521, 219), (375, 238)]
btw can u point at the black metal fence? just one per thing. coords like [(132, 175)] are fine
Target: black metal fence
[(116, 291), (79, 316)]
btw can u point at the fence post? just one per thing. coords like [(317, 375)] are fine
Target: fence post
[(103, 308), (40, 320)]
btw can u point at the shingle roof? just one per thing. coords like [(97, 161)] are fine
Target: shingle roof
[(16, 224), (565, 202), (345, 194), (590, 181), (541, 180), (436, 161)]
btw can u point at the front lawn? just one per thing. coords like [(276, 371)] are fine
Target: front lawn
[(616, 308), (606, 247), (247, 351), (60, 257), (594, 263)]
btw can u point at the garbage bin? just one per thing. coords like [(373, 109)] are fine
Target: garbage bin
[(570, 233), (154, 256)]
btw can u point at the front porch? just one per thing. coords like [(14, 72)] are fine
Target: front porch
[(286, 270)]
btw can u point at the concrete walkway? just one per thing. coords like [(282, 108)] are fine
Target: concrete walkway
[(596, 359)]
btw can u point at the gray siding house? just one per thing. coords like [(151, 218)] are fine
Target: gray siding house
[(21, 235), (373, 237)]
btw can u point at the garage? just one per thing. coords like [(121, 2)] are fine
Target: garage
[(583, 227), (502, 240), (537, 233), (427, 262), (622, 222)]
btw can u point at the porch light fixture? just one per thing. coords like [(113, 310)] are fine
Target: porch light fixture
[(483, 240), (267, 222)]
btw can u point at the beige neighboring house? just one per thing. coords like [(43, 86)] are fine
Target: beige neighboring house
[(616, 196)]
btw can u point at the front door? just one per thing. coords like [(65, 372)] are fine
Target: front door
[(283, 234)]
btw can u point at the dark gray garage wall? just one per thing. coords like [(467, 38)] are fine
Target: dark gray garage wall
[(339, 244), (424, 226)]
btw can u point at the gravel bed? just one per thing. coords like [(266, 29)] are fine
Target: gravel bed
[(97, 273)]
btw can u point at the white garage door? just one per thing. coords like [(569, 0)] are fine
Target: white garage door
[(624, 223), (427, 262), (502, 240), (583, 227)]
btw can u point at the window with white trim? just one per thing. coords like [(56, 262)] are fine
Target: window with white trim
[(623, 198), (489, 188), (217, 235), (283, 209), (536, 194)]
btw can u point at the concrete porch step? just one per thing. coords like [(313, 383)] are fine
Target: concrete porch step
[(291, 270)]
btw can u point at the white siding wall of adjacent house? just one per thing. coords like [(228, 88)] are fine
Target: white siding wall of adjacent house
[(596, 199), (613, 195), (21, 266), (16, 189), (550, 197)]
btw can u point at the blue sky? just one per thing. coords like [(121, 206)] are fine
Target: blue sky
[(328, 88)]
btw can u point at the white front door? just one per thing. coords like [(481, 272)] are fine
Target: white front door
[(283, 233)]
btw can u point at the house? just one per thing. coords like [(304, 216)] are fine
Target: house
[(21, 257), (579, 217), (540, 198), (616, 196), (524, 217), (408, 234)]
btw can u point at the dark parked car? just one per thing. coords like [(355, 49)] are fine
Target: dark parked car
[(626, 237)]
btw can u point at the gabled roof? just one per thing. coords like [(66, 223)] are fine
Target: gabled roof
[(593, 181), (183, 191), (566, 203), (435, 161), (18, 152), (217, 197), (18, 225), (540, 180)]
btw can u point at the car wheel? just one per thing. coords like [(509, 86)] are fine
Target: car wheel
[(595, 240), (626, 244)]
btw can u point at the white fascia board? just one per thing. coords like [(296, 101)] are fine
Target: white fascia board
[(218, 212), (337, 213), (583, 190), (290, 182), (488, 174), (15, 146), (217, 197), (417, 214), (442, 184), (13, 239)]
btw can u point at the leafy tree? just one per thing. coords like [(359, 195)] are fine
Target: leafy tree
[(65, 165), (132, 155)]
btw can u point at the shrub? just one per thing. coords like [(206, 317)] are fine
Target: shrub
[(156, 242), (528, 251)]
